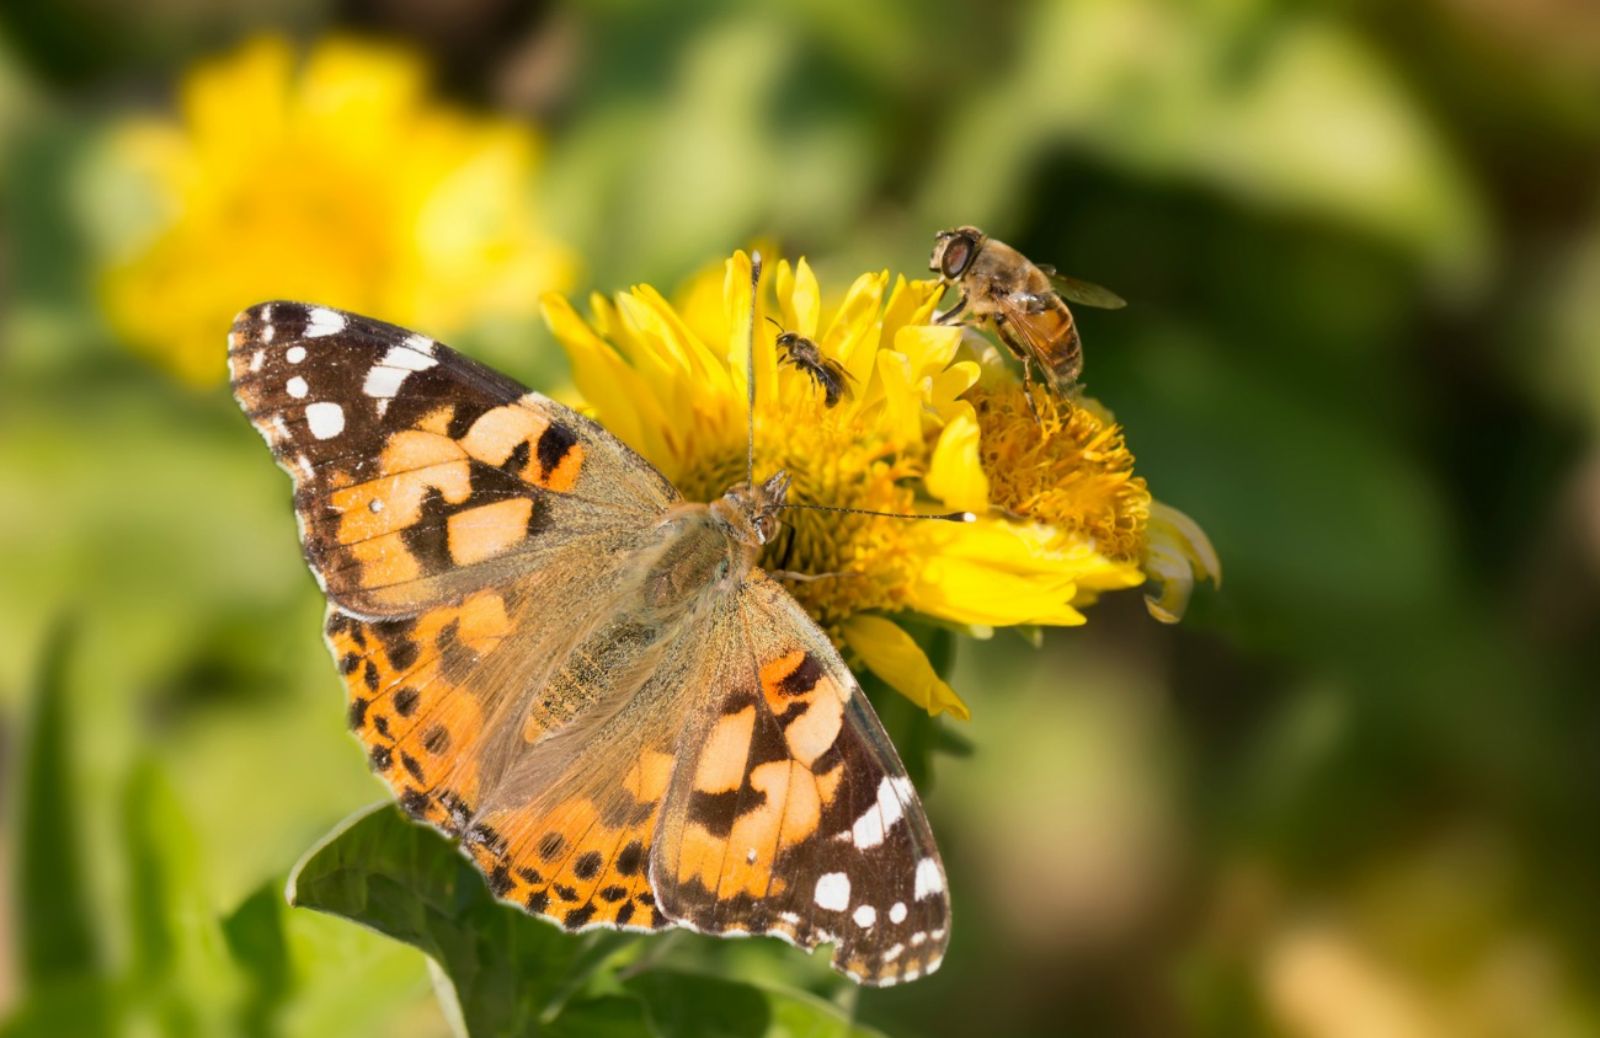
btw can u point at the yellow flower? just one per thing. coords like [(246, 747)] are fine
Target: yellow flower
[(339, 181), (670, 381), (1070, 468)]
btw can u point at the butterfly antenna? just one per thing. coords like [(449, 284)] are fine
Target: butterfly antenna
[(946, 517), (750, 372)]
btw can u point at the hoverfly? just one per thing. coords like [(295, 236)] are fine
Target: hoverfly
[(827, 373), (1025, 301)]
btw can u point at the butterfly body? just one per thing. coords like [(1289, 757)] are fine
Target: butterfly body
[(585, 679)]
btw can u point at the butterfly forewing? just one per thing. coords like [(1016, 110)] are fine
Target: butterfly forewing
[(419, 472)]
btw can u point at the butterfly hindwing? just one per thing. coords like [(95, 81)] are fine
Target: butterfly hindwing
[(790, 813), (574, 819), (419, 472)]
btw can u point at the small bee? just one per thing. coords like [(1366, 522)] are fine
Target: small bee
[(1026, 302), (796, 349)]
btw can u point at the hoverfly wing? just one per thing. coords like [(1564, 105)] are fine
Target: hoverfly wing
[(1085, 293)]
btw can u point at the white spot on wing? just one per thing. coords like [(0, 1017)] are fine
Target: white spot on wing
[(297, 387), (789, 917), (876, 821), (268, 332), (324, 322), (408, 358), (897, 912), (327, 421), (930, 880), (420, 342), (893, 952), (256, 360), (375, 505), (385, 378), (279, 430), (833, 892), (918, 940), (865, 916), (383, 382), (295, 354)]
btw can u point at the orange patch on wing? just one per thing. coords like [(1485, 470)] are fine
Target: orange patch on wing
[(647, 780), (772, 675), (482, 621), (437, 421), (420, 732), (700, 856), (726, 751), (562, 478), (828, 782), (810, 735), (790, 813), (398, 499), (385, 561), (498, 431), (483, 532), (412, 449)]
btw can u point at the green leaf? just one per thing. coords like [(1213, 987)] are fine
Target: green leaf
[(255, 938), (691, 1005), (502, 972), (609, 1016), (405, 880), (82, 1006), (55, 938)]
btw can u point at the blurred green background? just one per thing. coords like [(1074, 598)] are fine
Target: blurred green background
[(1352, 794)]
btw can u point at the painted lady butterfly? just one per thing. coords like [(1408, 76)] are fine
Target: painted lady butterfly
[(585, 679)]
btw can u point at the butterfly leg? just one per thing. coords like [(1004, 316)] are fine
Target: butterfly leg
[(802, 578)]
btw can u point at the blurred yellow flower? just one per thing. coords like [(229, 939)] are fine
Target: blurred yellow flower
[(338, 180), (670, 381)]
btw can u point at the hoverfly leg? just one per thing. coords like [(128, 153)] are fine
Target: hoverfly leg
[(945, 316), (1027, 391)]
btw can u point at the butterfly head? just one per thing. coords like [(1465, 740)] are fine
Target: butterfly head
[(751, 509)]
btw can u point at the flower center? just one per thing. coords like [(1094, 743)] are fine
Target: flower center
[(1070, 468)]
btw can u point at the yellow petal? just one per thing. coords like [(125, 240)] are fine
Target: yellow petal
[(893, 655), (852, 335), (1177, 552), (623, 400), (955, 474), (803, 300), (910, 303), (998, 573)]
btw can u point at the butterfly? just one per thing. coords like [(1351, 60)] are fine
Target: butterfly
[(586, 680)]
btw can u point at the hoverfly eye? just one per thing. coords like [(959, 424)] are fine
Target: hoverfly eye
[(956, 256)]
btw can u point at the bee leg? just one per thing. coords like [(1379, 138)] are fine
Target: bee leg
[(945, 316)]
